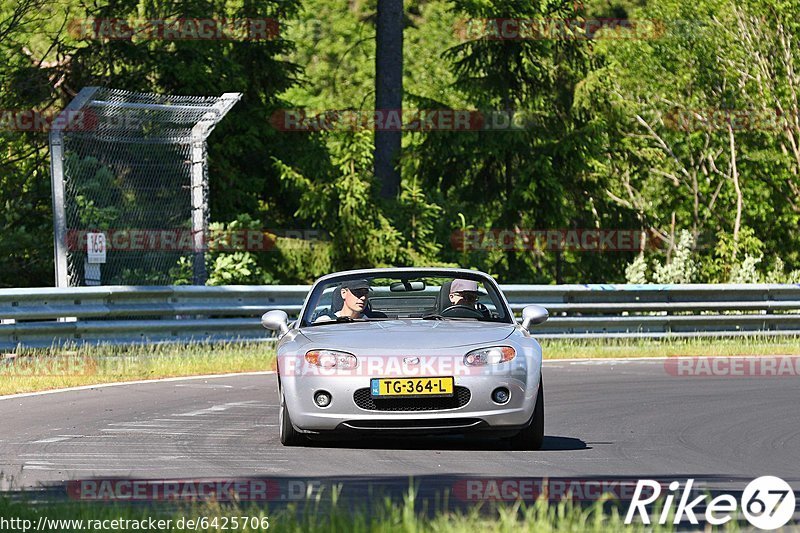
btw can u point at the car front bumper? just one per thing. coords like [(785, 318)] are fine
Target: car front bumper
[(479, 413)]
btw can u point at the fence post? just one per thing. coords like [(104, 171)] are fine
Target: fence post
[(57, 183), (200, 214)]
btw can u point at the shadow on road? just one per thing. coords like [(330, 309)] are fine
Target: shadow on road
[(444, 443), (553, 443)]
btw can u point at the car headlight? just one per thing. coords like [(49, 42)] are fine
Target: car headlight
[(490, 356), (332, 359)]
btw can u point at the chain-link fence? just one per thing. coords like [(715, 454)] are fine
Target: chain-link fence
[(130, 185)]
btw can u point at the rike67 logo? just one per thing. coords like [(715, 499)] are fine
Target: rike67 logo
[(767, 503)]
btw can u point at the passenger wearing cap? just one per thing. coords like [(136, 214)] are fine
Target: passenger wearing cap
[(465, 292)]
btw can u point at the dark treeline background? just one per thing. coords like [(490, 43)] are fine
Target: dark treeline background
[(625, 128)]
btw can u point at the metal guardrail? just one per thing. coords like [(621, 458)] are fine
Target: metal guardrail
[(124, 314)]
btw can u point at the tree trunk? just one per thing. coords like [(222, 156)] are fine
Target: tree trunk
[(389, 93), (739, 200)]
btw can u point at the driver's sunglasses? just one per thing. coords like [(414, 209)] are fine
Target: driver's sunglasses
[(359, 293), (468, 296)]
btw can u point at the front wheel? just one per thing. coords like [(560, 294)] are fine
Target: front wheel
[(289, 435), (532, 437)]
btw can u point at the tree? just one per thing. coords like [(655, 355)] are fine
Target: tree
[(388, 92)]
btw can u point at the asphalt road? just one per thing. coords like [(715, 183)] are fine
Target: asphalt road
[(605, 420)]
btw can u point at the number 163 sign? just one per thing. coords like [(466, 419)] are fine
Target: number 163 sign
[(96, 247)]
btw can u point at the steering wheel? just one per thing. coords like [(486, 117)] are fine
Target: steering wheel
[(461, 311)]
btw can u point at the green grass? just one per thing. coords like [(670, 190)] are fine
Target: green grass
[(29, 370), (756, 345), (41, 369), (382, 516)]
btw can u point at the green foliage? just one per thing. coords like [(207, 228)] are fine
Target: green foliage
[(681, 267), (225, 264), (343, 203), (669, 155), (677, 267), (618, 134), (636, 272), (301, 261), (722, 265), (417, 218), (745, 272), (732, 261)]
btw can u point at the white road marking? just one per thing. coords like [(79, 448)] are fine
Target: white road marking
[(139, 425), (134, 430), (206, 386), (57, 439), (216, 408), (140, 382)]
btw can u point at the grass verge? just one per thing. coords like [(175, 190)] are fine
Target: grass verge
[(381, 516), (696, 347), (28, 370), (41, 369)]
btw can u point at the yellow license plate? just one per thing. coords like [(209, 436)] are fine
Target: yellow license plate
[(381, 387)]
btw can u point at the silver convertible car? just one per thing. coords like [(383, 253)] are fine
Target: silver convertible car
[(409, 351)]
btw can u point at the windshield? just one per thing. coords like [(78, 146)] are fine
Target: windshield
[(391, 297)]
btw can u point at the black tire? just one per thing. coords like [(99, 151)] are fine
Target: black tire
[(532, 437), (289, 436)]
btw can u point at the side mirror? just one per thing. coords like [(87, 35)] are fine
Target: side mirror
[(533, 314), (276, 320)]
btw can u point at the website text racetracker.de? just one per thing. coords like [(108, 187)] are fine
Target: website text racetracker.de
[(35, 121), (763, 366), (374, 365), (532, 489), (46, 524), (412, 120), (187, 240), (566, 29), (176, 29), (557, 239)]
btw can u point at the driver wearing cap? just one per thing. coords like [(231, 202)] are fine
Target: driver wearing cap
[(355, 294), (355, 298)]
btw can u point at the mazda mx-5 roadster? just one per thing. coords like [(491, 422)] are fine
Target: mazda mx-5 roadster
[(409, 351)]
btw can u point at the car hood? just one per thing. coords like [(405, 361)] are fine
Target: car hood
[(406, 334)]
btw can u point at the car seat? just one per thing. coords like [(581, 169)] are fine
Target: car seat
[(443, 299), (337, 302)]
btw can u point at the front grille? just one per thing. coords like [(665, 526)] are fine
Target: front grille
[(364, 400)]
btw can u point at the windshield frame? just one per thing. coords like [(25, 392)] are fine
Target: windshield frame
[(326, 281)]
